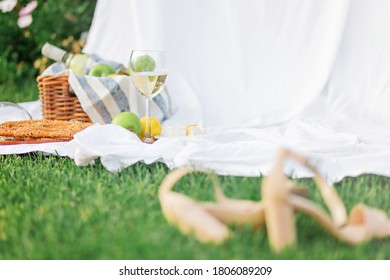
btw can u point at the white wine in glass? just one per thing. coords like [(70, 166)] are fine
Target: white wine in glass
[(149, 84), (148, 74)]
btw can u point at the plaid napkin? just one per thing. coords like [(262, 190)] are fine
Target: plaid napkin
[(102, 98)]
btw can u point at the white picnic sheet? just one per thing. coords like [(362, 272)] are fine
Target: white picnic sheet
[(310, 75)]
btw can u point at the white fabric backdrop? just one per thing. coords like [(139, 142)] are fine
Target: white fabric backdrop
[(259, 74), (251, 63)]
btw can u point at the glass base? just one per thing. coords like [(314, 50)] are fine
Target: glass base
[(148, 140)]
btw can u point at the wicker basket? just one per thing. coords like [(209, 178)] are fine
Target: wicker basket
[(58, 103)]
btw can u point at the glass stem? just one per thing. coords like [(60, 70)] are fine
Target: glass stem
[(148, 132)]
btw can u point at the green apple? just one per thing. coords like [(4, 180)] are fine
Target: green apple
[(144, 63), (101, 70), (129, 121)]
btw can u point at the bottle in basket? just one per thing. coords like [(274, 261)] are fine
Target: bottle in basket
[(76, 62)]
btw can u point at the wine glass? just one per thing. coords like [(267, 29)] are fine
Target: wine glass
[(148, 73), (10, 111)]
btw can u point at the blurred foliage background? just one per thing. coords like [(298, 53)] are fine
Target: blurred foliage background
[(63, 23)]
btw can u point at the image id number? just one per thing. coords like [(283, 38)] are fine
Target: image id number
[(242, 270)]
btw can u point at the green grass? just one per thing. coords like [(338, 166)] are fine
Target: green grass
[(21, 91), (52, 209)]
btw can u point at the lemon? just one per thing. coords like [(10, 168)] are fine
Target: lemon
[(155, 126)]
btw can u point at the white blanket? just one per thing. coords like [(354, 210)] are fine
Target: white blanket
[(258, 74)]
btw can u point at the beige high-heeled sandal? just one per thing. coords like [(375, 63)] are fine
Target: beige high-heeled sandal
[(206, 220), (281, 198), (362, 224)]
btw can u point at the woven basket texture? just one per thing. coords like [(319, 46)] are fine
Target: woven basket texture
[(58, 101)]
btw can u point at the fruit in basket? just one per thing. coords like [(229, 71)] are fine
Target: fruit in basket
[(123, 71), (155, 126), (129, 121), (101, 70)]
